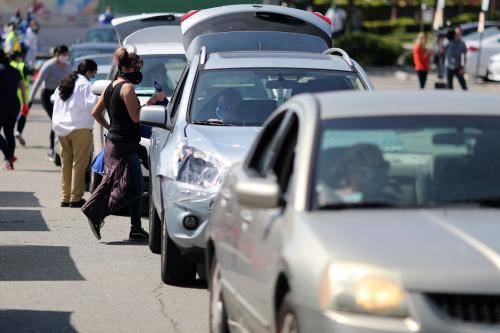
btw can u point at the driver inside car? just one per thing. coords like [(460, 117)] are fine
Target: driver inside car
[(228, 104), (358, 176)]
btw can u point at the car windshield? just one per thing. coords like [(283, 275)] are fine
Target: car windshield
[(166, 69), (84, 52), (407, 161), (247, 96), (101, 35)]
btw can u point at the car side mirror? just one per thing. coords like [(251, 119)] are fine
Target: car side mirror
[(99, 86), (155, 116), (258, 192)]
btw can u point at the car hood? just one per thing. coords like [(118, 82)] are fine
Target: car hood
[(448, 250), (228, 143)]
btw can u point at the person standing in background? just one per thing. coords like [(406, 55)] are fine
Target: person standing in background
[(11, 42), (456, 51), (52, 71), (10, 81), (107, 16), (421, 58), (72, 122), (31, 42)]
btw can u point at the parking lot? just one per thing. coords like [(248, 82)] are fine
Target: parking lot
[(57, 275)]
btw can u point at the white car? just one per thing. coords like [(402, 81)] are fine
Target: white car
[(493, 72), (490, 45), (234, 80), (157, 39)]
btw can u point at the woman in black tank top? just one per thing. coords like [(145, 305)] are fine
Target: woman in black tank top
[(122, 183)]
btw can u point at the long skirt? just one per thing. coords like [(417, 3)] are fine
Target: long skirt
[(122, 182)]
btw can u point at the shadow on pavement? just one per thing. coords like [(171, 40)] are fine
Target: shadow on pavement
[(21, 321), (126, 242), (37, 263), (39, 170), (19, 199), (22, 220)]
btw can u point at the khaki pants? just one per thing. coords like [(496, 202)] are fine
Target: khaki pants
[(75, 158)]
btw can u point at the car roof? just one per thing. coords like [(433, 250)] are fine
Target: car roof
[(401, 103), (282, 59), (157, 48)]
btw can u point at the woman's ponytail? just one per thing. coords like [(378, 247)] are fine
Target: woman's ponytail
[(67, 83)]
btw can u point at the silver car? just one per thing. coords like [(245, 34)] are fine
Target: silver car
[(234, 80), (357, 212)]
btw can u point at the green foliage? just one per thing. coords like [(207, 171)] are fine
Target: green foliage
[(403, 24), (369, 49)]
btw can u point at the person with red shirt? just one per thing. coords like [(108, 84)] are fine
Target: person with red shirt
[(421, 57)]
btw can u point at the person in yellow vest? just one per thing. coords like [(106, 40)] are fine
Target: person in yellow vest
[(11, 42), (16, 61)]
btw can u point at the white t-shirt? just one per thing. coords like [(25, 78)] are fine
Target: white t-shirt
[(75, 112)]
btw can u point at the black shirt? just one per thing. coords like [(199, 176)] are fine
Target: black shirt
[(9, 83), (122, 128)]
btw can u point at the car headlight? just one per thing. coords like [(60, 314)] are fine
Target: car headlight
[(363, 288), (198, 168)]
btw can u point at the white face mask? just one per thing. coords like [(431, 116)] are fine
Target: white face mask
[(63, 59)]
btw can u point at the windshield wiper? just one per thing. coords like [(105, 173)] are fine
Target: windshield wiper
[(483, 202), (217, 122), (357, 205)]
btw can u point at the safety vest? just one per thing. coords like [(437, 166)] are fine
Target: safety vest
[(20, 65), (11, 43)]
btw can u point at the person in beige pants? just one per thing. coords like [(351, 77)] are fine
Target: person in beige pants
[(72, 122)]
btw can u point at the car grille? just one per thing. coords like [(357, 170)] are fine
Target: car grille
[(480, 309)]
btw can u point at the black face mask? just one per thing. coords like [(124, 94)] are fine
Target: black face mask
[(133, 77)]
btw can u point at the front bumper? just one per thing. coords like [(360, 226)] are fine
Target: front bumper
[(425, 318), (180, 202)]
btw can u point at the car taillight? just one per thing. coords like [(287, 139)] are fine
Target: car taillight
[(323, 17), (189, 14), (473, 49)]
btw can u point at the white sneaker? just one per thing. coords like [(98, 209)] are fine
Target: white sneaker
[(20, 138)]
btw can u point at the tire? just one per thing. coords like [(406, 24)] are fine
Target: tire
[(287, 318), (175, 268), (154, 225), (217, 309)]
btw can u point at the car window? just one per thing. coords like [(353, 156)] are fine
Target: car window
[(166, 69), (177, 94), (259, 159), (407, 160), (247, 96), (101, 35)]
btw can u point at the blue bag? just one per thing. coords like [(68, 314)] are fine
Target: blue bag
[(98, 163)]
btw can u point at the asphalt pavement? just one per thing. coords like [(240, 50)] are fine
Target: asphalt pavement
[(56, 277)]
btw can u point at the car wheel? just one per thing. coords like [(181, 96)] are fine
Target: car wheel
[(218, 314), (175, 268), (287, 319), (95, 180), (154, 225)]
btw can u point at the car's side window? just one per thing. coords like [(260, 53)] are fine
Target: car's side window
[(285, 154), (176, 96), (259, 160)]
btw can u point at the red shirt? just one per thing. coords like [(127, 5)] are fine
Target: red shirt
[(421, 58)]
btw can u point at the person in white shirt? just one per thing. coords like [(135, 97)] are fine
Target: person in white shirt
[(72, 122)]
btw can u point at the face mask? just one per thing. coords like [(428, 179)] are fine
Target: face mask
[(133, 77), (63, 59)]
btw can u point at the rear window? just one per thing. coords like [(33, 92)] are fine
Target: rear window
[(247, 96)]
